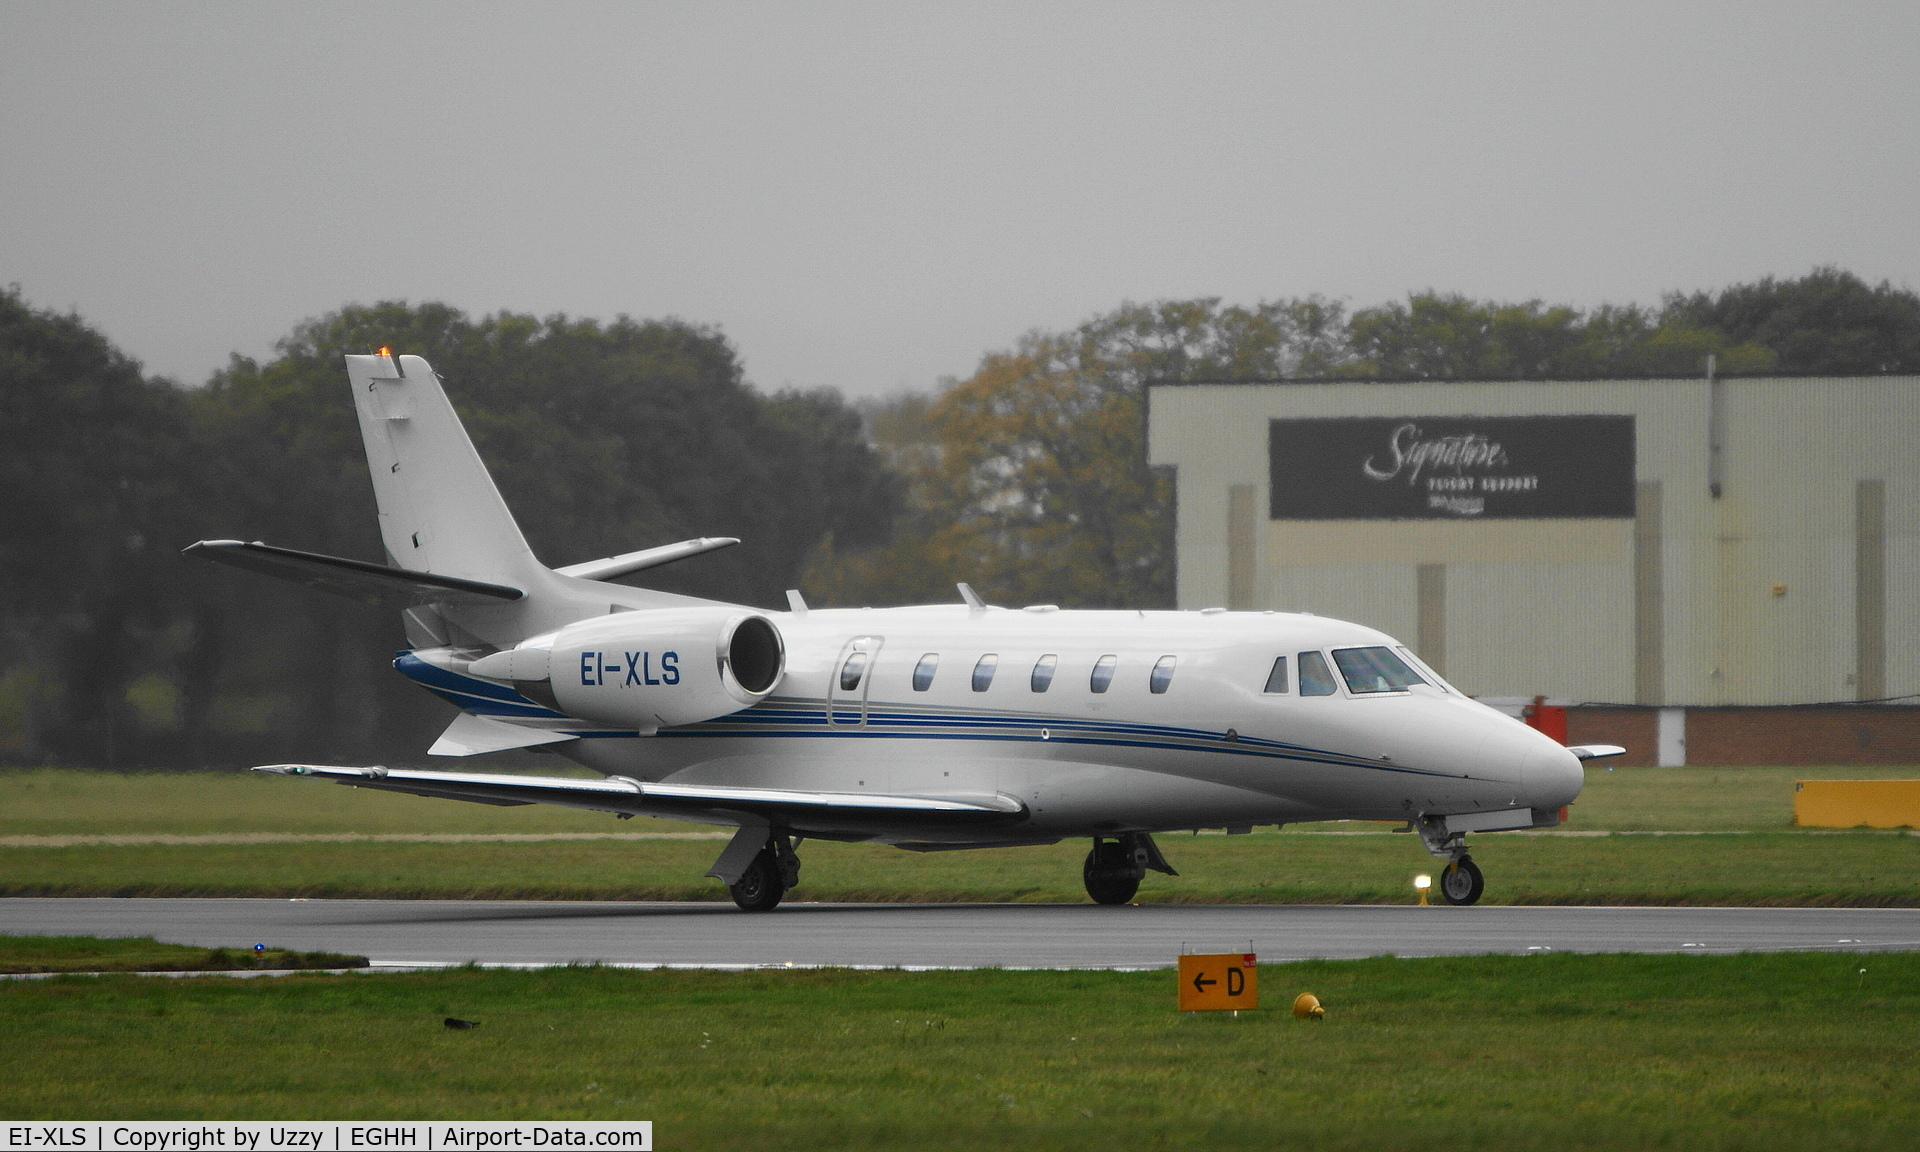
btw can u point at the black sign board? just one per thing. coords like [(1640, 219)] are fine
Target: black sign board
[(1451, 467)]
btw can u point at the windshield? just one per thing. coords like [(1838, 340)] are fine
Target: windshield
[(1374, 670)]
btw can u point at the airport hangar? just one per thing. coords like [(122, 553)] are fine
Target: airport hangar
[(1708, 570)]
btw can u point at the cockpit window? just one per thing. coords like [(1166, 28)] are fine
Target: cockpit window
[(1426, 671), (1316, 679), (1374, 670), (1277, 679)]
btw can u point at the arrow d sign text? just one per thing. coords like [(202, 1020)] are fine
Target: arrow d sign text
[(1225, 980)]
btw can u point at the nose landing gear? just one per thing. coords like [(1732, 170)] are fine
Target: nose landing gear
[(1461, 882)]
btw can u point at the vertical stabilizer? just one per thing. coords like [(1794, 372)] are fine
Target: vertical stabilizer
[(439, 510)]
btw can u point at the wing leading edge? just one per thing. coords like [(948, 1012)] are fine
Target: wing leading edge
[(625, 795)]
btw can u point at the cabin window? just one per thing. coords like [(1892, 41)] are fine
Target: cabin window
[(1043, 672), (1374, 670), (983, 672), (1162, 675), (923, 671), (1102, 677), (852, 670), (1277, 679), (1316, 679)]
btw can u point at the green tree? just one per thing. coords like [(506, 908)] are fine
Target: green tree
[(603, 437), (93, 458), (1432, 336), (1826, 323)]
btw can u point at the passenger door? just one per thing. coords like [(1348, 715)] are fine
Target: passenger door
[(847, 684)]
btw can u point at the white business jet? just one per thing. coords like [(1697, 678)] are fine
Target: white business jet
[(932, 728)]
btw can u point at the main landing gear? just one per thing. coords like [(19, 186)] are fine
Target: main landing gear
[(1117, 864), (760, 882), (1461, 882)]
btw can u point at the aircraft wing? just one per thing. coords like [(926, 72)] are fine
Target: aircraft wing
[(375, 584), (622, 794)]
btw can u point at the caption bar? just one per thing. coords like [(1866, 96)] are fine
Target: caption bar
[(326, 1136)]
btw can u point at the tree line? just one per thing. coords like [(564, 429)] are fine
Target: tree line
[(1028, 478), (607, 437)]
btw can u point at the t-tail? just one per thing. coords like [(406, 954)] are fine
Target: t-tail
[(459, 567)]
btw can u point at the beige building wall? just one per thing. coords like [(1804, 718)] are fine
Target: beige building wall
[(1800, 583)]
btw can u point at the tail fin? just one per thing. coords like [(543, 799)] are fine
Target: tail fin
[(439, 509), (441, 514)]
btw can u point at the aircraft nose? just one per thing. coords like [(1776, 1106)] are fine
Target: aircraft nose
[(1553, 777)]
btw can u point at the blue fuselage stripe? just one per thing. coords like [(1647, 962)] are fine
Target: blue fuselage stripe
[(802, 719)]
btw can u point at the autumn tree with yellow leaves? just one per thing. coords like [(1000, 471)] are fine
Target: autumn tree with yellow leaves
[(1029, 479)]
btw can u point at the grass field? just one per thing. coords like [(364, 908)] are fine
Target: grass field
[(145, 954), (1550, 1052), (1769, 868), (65, 802), (1745, 853)]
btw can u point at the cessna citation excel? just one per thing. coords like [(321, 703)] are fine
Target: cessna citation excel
[(933, 728)]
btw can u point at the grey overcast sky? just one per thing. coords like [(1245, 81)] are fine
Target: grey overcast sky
[(870, 196)]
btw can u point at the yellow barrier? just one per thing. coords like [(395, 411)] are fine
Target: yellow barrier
[(1852, 803)]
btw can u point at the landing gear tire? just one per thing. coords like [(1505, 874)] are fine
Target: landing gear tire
[(761, 887), (1462, 882), (1110, 876)]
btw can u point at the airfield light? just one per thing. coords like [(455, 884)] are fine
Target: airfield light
[(1423, 882)]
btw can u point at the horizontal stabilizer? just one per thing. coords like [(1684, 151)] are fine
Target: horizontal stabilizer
[(470, 735), (620, 794), (1596, 751), (374, 584), (646, 558)]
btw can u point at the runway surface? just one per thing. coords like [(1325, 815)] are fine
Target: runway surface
[(943, 935)]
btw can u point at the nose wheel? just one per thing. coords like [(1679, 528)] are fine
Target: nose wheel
[(1461, 883)]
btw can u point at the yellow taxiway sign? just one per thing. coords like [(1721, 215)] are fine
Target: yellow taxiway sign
[(1223, 980)]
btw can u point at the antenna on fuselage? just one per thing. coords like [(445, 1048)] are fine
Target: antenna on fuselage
[(971, 597), (796, 604)]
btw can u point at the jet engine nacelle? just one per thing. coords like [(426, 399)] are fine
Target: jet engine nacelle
[(666, 666)]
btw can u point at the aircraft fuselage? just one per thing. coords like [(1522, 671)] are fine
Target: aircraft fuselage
[(1058, 709)]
